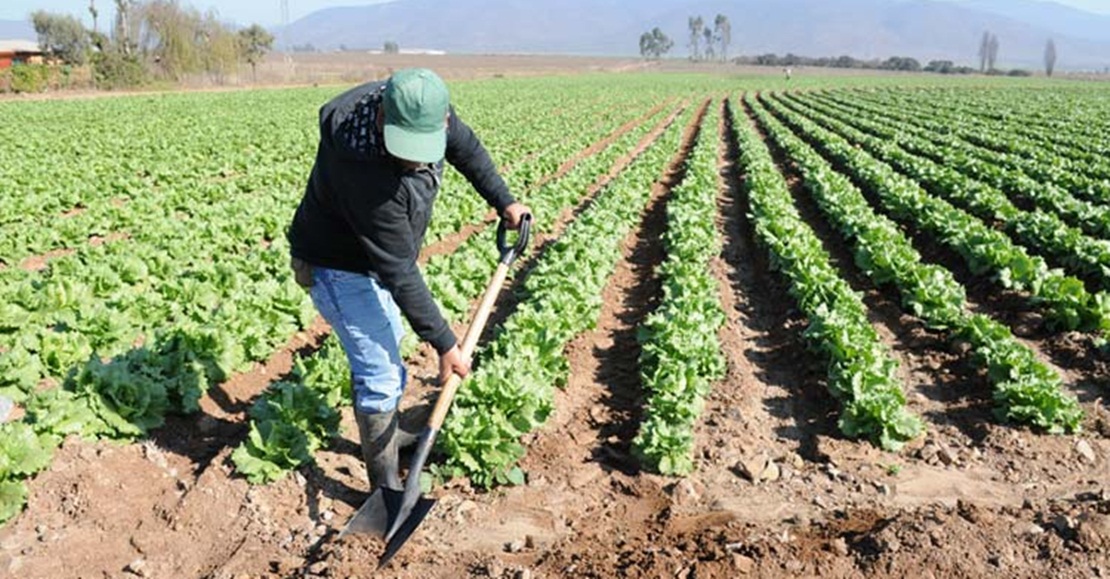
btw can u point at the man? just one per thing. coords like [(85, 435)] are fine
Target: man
[(359, 228)]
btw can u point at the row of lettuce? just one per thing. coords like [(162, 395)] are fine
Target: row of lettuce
[(1015, 122), (681, 354), (983, 225)]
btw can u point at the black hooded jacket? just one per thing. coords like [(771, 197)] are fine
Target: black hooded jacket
[(362, 212)]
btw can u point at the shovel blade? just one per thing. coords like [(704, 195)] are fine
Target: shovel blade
[(406, 528), (377, 514)]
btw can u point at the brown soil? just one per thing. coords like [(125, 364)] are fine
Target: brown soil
[(42, 261), (777, 492)]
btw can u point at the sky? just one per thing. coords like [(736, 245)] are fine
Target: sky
[(268, 12), (265, 12)]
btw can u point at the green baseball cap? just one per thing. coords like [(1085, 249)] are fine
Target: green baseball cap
[(415, 104)]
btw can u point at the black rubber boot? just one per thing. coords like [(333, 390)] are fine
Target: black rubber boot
[(379, 448), (405, 439)]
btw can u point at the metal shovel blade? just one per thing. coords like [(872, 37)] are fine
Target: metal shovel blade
[(404, 531), (377, 514)]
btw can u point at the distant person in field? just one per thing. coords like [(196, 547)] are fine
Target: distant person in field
[(787, 72), (358, 231)]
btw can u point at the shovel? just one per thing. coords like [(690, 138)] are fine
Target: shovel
[(394, 514)]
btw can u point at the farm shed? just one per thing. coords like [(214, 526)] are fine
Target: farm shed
[(16, 51)]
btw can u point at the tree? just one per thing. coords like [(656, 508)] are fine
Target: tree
[(98, 40), (708, 34), (170, 36), (941, 66), (1049, 57), (722, 29), (992, 52), (654, 44), (903, 63), (984, 50), (254, 43), (391, 47), (696, 25), (62, 36), (175, 40), (123, 33), (219, 46), (94, 13), (116, 63)]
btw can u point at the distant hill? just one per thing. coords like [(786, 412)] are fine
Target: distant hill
[(923, 29), (1049, 15), (17, 30)]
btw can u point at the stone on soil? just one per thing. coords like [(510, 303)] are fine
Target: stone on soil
[(742, 563), (1083, 448)]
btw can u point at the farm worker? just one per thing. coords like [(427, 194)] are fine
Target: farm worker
[(358, 231)]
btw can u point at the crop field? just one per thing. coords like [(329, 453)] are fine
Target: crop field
[(841, 327)]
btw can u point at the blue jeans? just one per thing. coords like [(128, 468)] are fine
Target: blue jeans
[(368, 323)]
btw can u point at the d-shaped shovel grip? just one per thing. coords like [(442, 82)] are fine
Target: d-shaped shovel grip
[(509, 253)]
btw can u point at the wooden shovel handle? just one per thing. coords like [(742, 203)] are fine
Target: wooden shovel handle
[(470, 341)]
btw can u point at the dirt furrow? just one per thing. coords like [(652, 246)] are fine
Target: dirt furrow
[(771, 406)]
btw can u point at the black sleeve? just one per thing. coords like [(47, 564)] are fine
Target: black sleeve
[(466, 153), (382, 225)]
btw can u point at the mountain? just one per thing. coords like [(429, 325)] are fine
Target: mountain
[(17, 30), (924, 29), (1049, 15), (560, 26)]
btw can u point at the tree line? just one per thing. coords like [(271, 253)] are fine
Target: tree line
[(707, 43), (148, 40)]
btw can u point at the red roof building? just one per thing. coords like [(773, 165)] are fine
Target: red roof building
[(17, 51)]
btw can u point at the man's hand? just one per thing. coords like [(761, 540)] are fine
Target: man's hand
[(451, 362), (514, 213)]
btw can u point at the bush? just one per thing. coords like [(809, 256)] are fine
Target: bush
[(1019, 72), (29, 77), (112, 70)]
